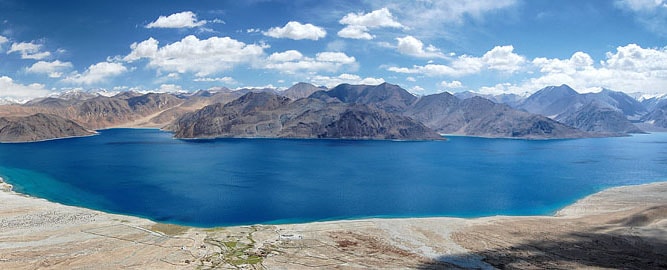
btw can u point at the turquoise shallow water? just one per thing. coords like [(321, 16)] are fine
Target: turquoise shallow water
[(146, 173)]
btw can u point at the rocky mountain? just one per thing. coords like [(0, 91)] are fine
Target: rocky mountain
[(446, 113), (512, 100), (39, 127), (478, 116), (102, 112), (599, 117), (606, 112), (658, 116), (388, 97), (301, 90), (554, 102), (270, 115), (653, 102)]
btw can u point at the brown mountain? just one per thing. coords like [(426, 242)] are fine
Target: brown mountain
[(478, 116), (446, 113), (270, 115), (128, 108), (39, 127)]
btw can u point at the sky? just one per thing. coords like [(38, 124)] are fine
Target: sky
[(425, 46)]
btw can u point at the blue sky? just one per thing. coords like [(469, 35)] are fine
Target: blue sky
[(489, 46)]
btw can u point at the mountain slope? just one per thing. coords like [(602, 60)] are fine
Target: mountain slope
[(606, 112), (301, 90), (270, 115), (657, 117), (388, 97), (38, 127), (478, 116), (601, 118)]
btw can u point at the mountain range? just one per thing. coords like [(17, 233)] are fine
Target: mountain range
[(384, 111)]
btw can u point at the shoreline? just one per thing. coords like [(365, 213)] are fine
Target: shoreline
[(36, 233)]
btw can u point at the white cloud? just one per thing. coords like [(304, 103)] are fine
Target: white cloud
[(17, 92), (29, 50), (650, 13), (504, 59), (226, 80), (416, 89), (358, 24), (464, 65), (290, 55), (500, 58), (54, 69), (344, 78), (203, 57), (297, 31), (96, 73), (412, 46), (635, 58), (169, 88), (293, 61), (578, 61), (185, 19), (630, 68), (452, 84), (3, 40)]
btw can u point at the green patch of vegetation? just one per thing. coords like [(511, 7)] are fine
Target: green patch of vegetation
[(235, 251)]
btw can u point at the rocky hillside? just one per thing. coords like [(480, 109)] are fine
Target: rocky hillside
[(38, 127), (103, 112), (478, 116), (301, 90), (657, 117), (446, 113), (600, 118), (269, 115), (605, 112), (388, 97)]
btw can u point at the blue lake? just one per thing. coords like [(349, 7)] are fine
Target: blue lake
[(144, 172)]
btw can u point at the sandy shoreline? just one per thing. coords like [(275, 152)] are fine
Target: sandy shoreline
[(624, 227)]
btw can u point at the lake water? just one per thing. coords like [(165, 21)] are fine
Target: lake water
[(144, 172)]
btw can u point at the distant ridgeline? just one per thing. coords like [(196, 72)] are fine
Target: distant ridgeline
[(384, 111)]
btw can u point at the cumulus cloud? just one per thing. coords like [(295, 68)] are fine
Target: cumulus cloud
[(650, 13), (630, 68), (297, 31), (452, 84), (359, 24), (96, 73), (504, 59), (29, 50), (16, 92), (290, 55), (293, 61), (412, 46), (500, 58), (344, 78), (53, 69), (190, 54), (185, 19), (578, 61), (3, 40)]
